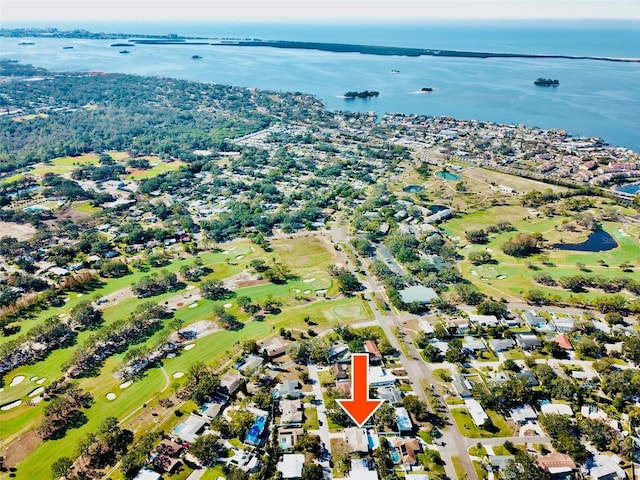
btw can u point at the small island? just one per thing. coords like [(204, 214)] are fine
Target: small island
[(67, 48), (121, 44), (124, 51), (196, 57), (395, 71), (426, 89), (363, 94), (546, 82)]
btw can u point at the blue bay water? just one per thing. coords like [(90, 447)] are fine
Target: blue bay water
[(595, 98)]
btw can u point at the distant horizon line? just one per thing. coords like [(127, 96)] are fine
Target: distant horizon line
[(322, 21)]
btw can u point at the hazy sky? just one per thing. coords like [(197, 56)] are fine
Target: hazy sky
[(24, 11)]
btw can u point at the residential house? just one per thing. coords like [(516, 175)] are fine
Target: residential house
[(407, 449), (250, 364), (245, 460), (288, 389), (339, 371), (211, 410), (378, 377), (391, 394), (534, 320), (189, 430), (556, 409), (498, 462), (166, 456), (146, 474), (523, 414), (356, 437), (230, 382), (462, 386), (363, 469), (563, 341), (276, 347), (527, 341), (290, 465), (403, 420), (556, 464), (291, 412), (476, 411), (338, 352), (501, 344), (564, 324), (372, 349), (485, 320), (528, 376), (287, 437), (473, 344)]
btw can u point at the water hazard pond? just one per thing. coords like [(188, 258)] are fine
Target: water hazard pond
[(598, 241)]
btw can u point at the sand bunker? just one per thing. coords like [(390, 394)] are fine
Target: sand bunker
[(80, 294), (17, 380), (321, 292), (126, 384), (309, 280), (170, 355), (190, 346), (189, 287), (37, 399), (227, 305), (473, 272), (296, 290), (40, 381), (501, 277), (193, 305), (34, 378), (11, 405), (232, 249), (37, 391), (307, 291), (178, 375), (111, 396), (239, 257)]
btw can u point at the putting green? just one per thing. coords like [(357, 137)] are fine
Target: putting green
[(348, 312), (488, 272)]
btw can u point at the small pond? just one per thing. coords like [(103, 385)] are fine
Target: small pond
[(437, 208), (631, 188), (413, 188), (448, 175), (598, 241)]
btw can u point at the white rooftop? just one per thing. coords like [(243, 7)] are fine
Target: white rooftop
[(291, 465), (557, 409), (476, 411)]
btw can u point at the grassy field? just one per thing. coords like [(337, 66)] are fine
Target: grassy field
[(310, 419), (62, 165), (469, 429), (511, 277), (155, 170), (11, 178), (458, 467), (307, 256)]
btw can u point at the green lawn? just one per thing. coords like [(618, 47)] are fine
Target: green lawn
[(155, 170), (469, 429), (213, 349), (310, 419), (432, 463), (458, 467)]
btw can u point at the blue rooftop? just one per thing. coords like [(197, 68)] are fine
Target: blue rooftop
[(403, 420), (253, 435)]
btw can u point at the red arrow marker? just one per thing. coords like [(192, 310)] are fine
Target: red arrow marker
[(360, 407)]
